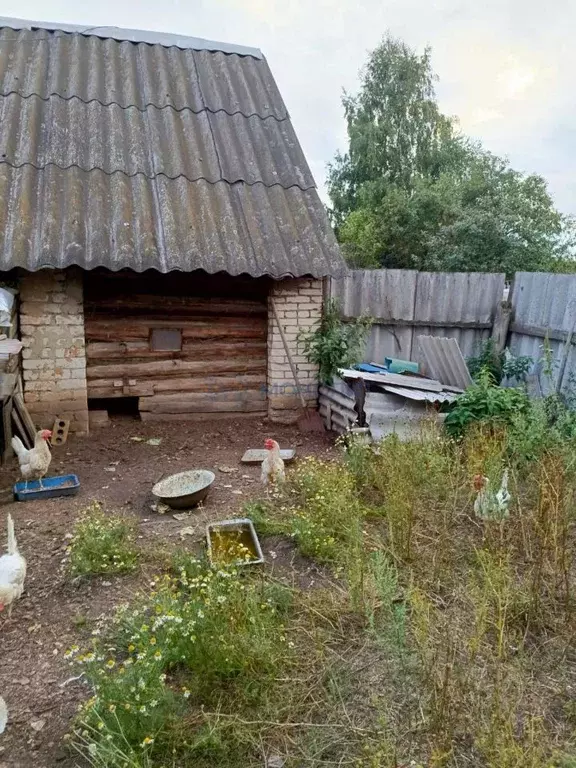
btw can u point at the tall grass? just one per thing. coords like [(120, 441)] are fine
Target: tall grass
[(436, 638)]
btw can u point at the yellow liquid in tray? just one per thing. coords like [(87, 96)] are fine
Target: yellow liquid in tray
[(232, 545)]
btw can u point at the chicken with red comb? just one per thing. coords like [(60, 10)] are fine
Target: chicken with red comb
[(273, 471)]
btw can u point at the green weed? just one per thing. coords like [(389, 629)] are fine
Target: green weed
[(101, 544)]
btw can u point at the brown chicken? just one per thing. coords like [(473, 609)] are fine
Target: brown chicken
[(273, 465), (34, 462)]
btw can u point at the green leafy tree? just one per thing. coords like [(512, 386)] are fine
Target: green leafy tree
[(413, 192)]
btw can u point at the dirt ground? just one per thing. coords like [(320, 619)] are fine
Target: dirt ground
[(55, 613)]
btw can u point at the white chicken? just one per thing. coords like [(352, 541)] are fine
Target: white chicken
[(34, 462), (490, 505), (12, 571), (273, 466), (3, 715)]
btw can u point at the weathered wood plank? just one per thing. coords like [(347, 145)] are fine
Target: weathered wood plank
[(140, 351), (194, 401), (147, 416), (156, 368), (181, 305), (426, 323), (540, 332)]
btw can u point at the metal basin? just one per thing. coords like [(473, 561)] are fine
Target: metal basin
[(185, 489)]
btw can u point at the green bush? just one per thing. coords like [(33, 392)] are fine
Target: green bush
[(102, 544), (335, 344), (193, 637), (486, 402)]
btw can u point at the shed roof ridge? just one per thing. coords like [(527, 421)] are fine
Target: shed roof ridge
[(55, 94), (134, 36), (160, 174)]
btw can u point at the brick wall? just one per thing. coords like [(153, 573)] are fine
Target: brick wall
[(299, 305), (54, 360)]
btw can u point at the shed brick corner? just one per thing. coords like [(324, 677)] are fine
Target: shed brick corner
[(299, 305), (54, 354)]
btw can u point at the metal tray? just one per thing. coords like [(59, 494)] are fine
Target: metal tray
[(257, 455), (62, 485), (239, 524)]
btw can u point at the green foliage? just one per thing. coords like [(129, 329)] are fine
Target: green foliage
[(101, 544), (413, 193), (486, 402), (335, 344), (501, 365), (192, 636)]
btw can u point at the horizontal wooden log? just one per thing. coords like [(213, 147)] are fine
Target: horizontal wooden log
[(175, 385), (159, 417), (135, 329), (212, 384), (206, 350), (181, 305), (210, 405), (201, 398), (157, 368), (125, 391)]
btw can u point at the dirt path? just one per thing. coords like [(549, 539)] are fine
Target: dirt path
[(53, 613)]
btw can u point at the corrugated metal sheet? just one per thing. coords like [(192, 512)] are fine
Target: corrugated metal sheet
[(415, 298), (59, 218), (544, 301), (443, 359), (134, 35), (336, 405), (421, 395), (380, 293), (123, 154), (202, 145), (457, 297)]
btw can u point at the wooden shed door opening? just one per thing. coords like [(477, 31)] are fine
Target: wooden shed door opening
[(187, 346)]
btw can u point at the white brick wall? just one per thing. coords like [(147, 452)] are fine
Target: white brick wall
[(54, 358), (299, 306)]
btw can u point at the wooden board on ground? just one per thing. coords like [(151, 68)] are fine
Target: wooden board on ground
[(257, 455)]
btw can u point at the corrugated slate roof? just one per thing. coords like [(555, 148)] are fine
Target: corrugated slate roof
[(167, 155)]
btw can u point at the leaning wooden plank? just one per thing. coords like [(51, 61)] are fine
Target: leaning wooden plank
[(21, 431), (396, 379), (7, 406), (25, 417), (443, 359), (7, 384)]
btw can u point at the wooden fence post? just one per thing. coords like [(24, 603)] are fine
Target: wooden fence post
[(501, 326)]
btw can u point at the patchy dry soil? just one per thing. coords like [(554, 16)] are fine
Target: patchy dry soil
[(55, 613)]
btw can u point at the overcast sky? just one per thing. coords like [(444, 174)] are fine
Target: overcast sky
[(506, 67)]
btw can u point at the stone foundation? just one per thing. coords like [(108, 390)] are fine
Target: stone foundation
[(299, 305), (54, 357)]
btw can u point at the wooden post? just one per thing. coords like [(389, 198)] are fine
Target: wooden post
[(501, 325)]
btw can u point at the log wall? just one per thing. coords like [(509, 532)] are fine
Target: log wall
[(221, 366)]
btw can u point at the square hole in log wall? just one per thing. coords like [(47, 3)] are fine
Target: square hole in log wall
[(166, 340)]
